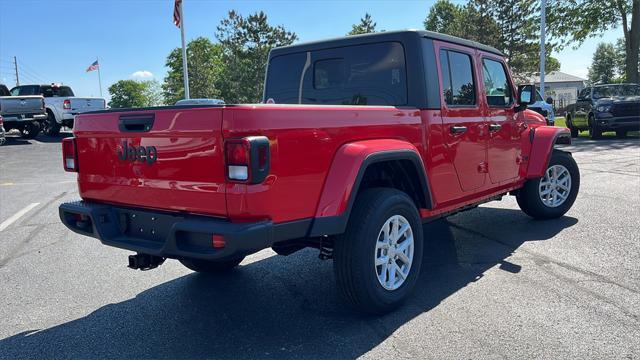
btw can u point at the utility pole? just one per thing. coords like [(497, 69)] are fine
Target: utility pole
[(185, 71), (543, 11), (15, 65)]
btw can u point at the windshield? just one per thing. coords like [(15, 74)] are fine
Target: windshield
[(616, 90), (56, 91)]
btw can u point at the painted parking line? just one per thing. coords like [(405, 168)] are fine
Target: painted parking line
[(5, 224)]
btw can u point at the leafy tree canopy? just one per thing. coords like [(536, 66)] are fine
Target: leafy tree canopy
[(605, 65), (245, 44), (132, 93), (365, 26), (205, 66)]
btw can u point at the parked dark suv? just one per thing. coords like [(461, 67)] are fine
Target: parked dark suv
[(608, 107)]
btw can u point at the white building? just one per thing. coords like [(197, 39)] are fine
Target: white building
[(562, 87)]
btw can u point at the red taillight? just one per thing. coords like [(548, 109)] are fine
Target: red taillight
[(217, 241), (69, 155), (237, 152), (247, 159), (66, 104)]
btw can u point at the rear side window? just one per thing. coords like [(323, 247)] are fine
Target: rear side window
[(4, 91), (284, 78), (458, 85), (370, 74), (496, 84)]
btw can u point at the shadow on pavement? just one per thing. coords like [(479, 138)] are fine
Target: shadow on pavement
[(604, 144), (282, 307), (15, 139)]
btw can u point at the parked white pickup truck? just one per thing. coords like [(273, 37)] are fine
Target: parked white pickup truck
[(24, 113), (62, 105)]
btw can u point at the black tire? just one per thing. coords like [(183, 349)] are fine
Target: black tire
[(31, 130), (355, 251), (621, 134), (574, 131), (211, 267), (595, 132), (529, 197), (50, 125)]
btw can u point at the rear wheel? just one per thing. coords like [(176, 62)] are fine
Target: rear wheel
[(574, 131), (31, 130), (211, 267), (377, 260), (552, 195), (51, 126)]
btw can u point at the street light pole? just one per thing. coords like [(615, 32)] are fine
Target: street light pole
[(543, 8)]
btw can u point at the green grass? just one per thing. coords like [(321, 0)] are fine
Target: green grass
[(561, 122)]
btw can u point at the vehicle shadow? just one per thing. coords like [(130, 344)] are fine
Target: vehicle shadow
[(604, 144), (15, 139), (283, 307)]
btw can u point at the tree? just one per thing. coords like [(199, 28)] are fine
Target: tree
[(365, 26), (205, 66), (443, 17), (245, 44), (604, 64), (576, 20), (511, 26), (132, 93)]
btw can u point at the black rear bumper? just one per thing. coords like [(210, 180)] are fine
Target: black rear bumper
[(174, 235)]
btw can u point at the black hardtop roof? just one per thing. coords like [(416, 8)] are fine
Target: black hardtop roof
[(381, 36)]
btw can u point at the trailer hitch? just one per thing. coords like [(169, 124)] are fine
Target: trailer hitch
[(145, 261)]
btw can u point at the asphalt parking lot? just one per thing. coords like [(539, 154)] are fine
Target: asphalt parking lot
[(496, 284)]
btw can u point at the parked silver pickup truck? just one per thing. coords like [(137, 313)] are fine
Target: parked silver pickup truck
[(61, 104), (24, 113)]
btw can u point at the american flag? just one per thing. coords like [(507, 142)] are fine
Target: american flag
[(176, 13), (93, 67)]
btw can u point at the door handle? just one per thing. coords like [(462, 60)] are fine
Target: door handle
[(457, 129), (494, 127)]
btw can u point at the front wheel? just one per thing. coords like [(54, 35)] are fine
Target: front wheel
[(377, 260), (595, 132), (211, 267), (552, 195)]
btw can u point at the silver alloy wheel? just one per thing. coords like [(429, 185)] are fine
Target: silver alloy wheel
[(394, 252), (555, 186)]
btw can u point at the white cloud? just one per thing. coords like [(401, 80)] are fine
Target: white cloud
[(142, 74)]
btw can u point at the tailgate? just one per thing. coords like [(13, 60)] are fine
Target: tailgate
[(22, 105), (86, 104), (167, 159)]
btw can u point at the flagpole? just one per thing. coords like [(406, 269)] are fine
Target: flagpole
[(185, 72), (99, 76)]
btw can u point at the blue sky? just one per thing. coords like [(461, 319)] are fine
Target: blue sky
[(55, 41)]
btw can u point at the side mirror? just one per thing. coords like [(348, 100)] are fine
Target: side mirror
[(525, 95), (550, 100)]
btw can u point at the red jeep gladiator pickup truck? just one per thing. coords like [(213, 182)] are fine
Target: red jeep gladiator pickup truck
[(358, 141)]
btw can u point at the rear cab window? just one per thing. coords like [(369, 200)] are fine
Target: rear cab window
[(368, 74), (56, 91)]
